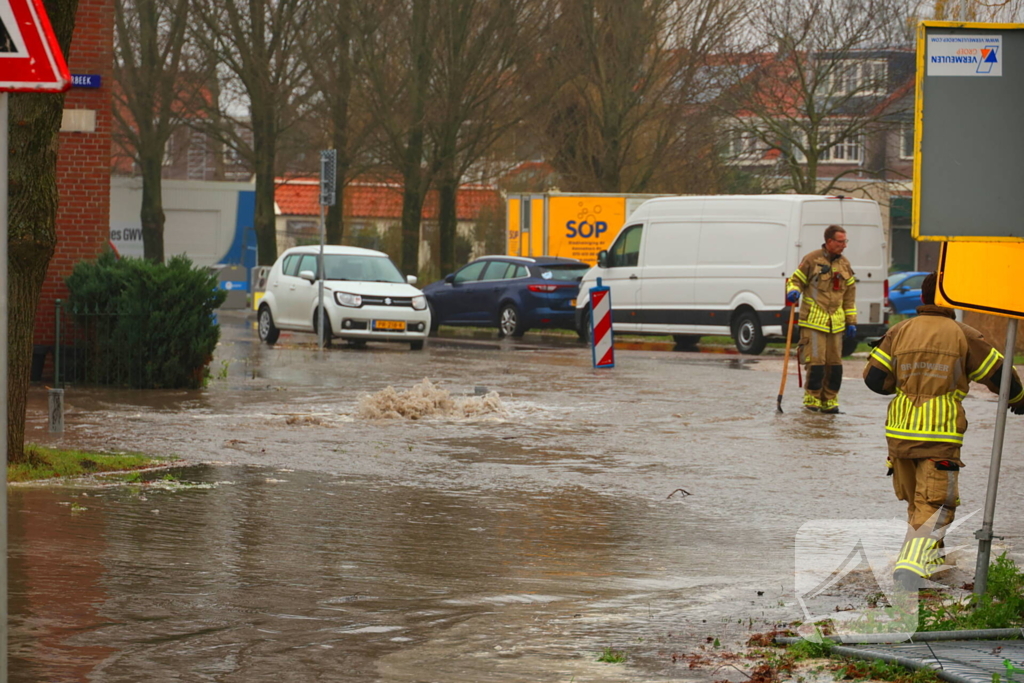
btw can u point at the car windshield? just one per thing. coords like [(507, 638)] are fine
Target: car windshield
[(568, 272), (361, 268)]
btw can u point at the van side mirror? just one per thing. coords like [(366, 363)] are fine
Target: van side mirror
[(411, 279), (602, 258), (308, 275)]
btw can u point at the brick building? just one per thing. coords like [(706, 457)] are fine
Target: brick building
[(83, 161)]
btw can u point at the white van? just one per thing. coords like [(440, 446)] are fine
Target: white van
[(717, 265)]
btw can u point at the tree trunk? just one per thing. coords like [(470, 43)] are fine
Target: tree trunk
[(447, 220), (32, 232), (335, 228), (412, 172), (265, 222), (152, 213), (412, 212)]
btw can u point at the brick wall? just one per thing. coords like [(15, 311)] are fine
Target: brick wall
[(83, 162)]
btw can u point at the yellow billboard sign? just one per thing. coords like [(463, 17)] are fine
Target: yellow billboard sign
[(983, 277), (580, 226)]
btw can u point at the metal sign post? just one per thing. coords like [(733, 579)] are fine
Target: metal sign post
[(328, 175), (984, 535)]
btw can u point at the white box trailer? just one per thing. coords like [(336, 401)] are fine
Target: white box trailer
[(717, 265)]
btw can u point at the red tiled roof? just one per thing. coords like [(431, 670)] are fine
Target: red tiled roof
[(363, 199)]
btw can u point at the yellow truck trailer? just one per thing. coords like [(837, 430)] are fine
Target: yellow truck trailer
[(567, 224)]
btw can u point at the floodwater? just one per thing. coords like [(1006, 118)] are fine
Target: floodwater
[(507, 520)]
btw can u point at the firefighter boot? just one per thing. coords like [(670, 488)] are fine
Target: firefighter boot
[(918, 557)]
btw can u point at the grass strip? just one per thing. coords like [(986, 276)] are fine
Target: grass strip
[(50, 463)]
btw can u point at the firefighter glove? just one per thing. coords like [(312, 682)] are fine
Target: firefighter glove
[(888, 464), (851, 331), (792, 297), (1018, 409)]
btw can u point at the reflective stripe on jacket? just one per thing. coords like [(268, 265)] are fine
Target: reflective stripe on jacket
[(930, 361), (828, 291)]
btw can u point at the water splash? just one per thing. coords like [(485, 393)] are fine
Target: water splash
[(428, 400)]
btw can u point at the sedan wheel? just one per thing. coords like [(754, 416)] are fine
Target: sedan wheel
[(328, 334), (510, 323), (267, 330)]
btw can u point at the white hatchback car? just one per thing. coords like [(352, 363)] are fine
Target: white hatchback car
[(365, 297)]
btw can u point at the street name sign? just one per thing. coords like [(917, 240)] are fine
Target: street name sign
[(969, 140), (30, 58)]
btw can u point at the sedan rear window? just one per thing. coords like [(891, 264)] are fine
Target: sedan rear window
[(568, 272)]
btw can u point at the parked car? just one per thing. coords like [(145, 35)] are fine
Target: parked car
[(512, 293), (365, 297), (905, 292)]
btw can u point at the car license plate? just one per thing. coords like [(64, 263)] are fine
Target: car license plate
[(397, 325)]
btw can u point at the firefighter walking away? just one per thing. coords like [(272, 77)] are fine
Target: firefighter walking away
[(926, 363)]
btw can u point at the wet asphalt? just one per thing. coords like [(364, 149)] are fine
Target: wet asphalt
[(652, 508)]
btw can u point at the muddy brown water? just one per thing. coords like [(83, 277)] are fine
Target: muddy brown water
[(512, 544)]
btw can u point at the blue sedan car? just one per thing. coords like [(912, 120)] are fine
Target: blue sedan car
[(512, 293), (905, 292)]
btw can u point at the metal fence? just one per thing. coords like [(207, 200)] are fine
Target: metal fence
[(88, 349)]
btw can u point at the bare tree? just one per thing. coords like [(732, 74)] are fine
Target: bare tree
[(32, 231), (265, 88), (484, 52), (334, 67), (814, 87), (978, 10), (395, 45), (627, 114), (149, 37)]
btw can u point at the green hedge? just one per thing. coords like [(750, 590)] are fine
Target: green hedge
[(144, 325)]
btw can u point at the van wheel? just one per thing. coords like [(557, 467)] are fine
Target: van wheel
[(686, 342), (584, 331), (747, 334), (267, 330), (849, 346)]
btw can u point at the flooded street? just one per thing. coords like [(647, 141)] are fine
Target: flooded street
[(512, 537)]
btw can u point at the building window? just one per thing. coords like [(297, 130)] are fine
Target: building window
[(857, 77), (169, 151), (907, 141), (744, 146), (847, 151)]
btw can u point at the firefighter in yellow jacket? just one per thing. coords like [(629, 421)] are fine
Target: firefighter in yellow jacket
[(829, 311), (927, 364)]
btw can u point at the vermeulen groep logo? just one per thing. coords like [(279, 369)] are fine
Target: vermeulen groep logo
[(989, 58)]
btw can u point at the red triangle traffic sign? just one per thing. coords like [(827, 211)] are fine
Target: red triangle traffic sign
[(30, 58)]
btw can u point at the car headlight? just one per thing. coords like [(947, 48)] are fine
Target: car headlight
[(419, 302), (350, 300)]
